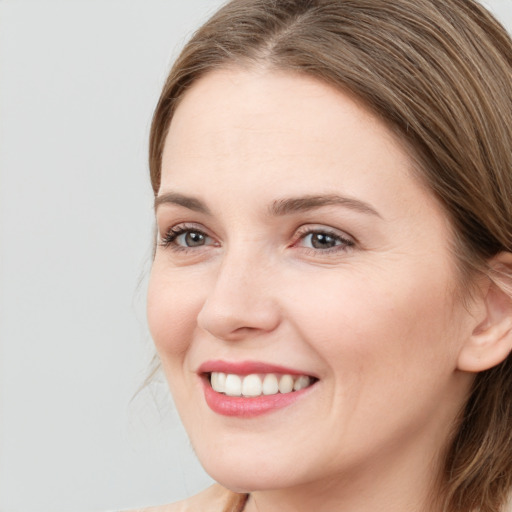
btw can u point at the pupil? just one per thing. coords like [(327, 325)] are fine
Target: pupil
[(322, 241), (193, 239)]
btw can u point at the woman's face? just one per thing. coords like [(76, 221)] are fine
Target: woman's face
[(296, 246)]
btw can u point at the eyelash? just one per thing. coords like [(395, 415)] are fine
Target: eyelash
[(342, 243), (169, 239)]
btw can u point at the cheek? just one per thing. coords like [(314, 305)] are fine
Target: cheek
[(172, 309), (359, 322), (387, 347)]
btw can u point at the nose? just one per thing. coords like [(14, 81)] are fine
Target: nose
[(240, 302)]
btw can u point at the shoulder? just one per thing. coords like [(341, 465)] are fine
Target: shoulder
[(214, 499)]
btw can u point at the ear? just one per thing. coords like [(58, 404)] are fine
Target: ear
[(491, 340)]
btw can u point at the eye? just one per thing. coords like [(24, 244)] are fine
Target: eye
[(191, 239), (182, 238), (324, 240), (321, 240)]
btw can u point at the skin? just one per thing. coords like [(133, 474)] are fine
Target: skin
[(376, 320)]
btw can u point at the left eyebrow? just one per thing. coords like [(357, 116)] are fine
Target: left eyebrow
[(305, 203)]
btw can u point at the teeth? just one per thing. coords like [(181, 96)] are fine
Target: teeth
[(270, 384), (251, 386), (233, 385), (218, 381), (255, 385), (301, 383), (285, 384)]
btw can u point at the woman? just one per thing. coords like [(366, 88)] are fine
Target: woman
[(330, 295)]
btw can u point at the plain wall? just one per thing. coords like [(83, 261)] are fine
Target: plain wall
[(78, 82)]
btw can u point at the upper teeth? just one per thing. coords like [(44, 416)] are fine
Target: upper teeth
[(256, 385)]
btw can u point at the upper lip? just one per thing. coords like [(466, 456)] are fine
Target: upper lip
[(246, 368)]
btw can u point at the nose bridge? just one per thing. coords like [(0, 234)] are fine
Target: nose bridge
[(240, 299)]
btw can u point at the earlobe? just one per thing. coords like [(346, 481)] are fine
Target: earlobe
[(491, 340)]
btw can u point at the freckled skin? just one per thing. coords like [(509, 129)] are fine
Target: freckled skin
[(375, 320)]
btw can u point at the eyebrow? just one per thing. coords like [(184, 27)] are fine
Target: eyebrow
[(305, 203), (278, 208), (189, 202)]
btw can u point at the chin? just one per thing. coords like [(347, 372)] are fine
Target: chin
[(243, 478), (245, 471)]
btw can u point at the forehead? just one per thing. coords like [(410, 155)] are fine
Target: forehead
[(282, 128), (268, 113), (282, 103)]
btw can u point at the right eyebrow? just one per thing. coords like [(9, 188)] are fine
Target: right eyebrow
[(189, 202)]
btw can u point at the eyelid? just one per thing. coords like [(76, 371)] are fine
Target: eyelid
[(173, 232), (322, 228), (347, 241)]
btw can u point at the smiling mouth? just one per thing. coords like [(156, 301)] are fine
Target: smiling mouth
[(255, 385)]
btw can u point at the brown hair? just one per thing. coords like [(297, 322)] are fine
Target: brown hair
[(438, 72)]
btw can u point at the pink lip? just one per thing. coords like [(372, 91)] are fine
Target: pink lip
[(246, 368), (245, 407)]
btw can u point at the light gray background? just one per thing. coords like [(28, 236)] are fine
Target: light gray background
[(78, 82)]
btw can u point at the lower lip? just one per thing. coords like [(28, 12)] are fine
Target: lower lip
[(248, 407)]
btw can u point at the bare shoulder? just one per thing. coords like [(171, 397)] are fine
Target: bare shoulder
[(214, 499)]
